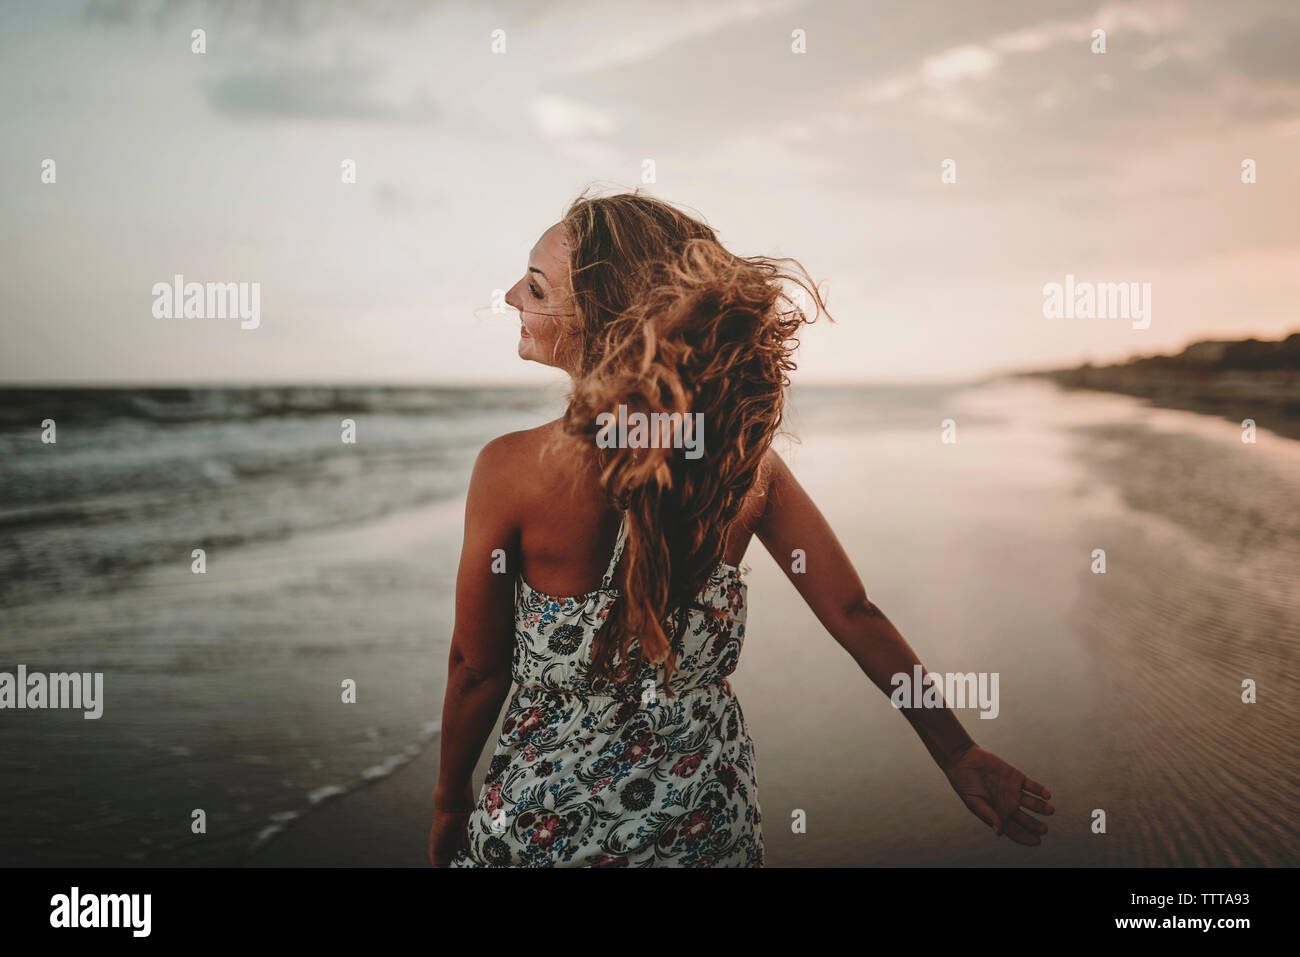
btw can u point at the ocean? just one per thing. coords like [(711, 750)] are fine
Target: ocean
[(223, 689)]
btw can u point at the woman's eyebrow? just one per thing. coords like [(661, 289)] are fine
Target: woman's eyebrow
[(538, 271)]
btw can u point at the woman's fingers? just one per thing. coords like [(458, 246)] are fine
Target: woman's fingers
[(1020, 829), (1036, 804), (1028, 822), (1033, 787)]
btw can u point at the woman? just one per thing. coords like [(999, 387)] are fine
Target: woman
[(600, 568)]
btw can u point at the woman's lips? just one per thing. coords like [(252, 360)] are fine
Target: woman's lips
[(523, 331)]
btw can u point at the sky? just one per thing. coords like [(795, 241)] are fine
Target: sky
[(226, 166)]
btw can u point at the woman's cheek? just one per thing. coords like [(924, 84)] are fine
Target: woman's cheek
[(542, 328)]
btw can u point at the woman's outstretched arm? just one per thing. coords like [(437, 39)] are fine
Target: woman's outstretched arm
[(994, 791), (478, 669)]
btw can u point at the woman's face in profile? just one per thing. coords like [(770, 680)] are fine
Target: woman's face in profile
[(544, 299)]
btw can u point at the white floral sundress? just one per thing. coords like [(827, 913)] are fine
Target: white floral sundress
[(635, 780)]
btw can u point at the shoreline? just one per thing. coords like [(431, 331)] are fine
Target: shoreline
[(1269, 398), (1233, 379), (383, 824)]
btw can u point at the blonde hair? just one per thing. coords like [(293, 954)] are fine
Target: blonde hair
[(669, 321)]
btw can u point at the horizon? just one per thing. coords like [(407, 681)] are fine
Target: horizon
[(551, 378)]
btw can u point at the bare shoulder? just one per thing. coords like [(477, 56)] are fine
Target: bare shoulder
[(508, 467), (771, 461), (773, 487), (515, 447), (756, 500), (771, 473), (515, 450)]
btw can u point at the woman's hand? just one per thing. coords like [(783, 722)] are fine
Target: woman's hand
[(450, 830), (1000, 795)]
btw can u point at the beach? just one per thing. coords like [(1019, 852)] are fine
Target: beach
[(1121, 691)]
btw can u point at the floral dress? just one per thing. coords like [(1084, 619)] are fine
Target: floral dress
[(637, 780)]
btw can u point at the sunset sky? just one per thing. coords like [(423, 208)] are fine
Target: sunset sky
[(1123, 166)]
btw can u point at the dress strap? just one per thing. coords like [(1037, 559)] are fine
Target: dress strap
[(618, 553)]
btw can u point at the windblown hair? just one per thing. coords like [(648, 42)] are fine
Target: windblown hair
[(669, 321)]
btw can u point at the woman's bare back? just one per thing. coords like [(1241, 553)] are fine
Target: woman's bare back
[(566, 528)]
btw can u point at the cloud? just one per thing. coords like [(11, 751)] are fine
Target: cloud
[(959, 63), (109, 11), (559, 117), (1149, 18), (297, 18), (631, 36), (314, 94), (964, 62), (1031, 39), (1267, 52)]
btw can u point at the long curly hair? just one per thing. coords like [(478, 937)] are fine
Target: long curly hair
[(668, 321)]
